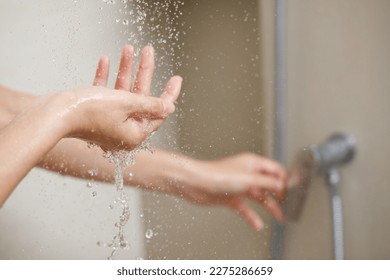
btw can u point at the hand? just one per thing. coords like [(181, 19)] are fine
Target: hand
[(116, 119), (232, 180)]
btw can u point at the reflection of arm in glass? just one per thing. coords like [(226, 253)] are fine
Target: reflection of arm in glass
[(229, 181), (112, 119)]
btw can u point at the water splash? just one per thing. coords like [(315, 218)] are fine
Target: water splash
[(121, 159), (143, 23), (157, 23)]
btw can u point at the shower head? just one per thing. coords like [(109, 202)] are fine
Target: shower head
[(337, 150), (315, 160)]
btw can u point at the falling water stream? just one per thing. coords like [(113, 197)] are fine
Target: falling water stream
[(143, 23), (122, 159)]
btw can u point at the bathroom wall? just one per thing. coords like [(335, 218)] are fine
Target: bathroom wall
[(221, 113), (338, 64), (49, 46)]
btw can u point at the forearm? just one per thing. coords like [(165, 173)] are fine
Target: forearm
[(162, 171), (24, 141)]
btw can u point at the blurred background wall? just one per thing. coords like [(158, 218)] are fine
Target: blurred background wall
[(338, 65)]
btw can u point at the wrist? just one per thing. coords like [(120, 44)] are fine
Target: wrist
[(51, 111), (63, 108)]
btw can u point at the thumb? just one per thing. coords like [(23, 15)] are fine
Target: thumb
[(149, 107)]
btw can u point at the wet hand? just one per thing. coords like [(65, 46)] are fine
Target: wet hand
[(233, 180), (119, 119)]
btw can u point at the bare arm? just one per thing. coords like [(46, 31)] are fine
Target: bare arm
[(24, 141), (229, 181)]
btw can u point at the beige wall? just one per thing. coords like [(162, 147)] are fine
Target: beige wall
[(338, 67), (220, 114)]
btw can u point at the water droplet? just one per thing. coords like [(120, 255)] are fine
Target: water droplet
[(91, 145), (93, 172), (89, 185), (124, 244), (131, 175), (109, 2), (94, 194), (149, 233), (125, 22)]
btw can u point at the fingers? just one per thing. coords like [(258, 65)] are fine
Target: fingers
[(249, 215), (101, 76), (172, 89), (260, 183), (268, 202), (144, 77), (169, 96), (150, 107), (271, 167), (273, 208), (123, 80)]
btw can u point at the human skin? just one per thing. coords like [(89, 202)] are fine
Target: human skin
[(228, 182), (112, 119)]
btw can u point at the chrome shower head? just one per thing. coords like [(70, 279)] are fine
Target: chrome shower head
[(315, 160), (337, 150)]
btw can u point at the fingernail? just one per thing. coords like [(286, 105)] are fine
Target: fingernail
[(259, 227), (129, 48), (148, 50)]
